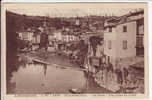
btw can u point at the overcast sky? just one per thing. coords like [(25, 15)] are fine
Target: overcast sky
[(73, 9)]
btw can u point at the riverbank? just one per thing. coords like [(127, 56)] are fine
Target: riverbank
[(96, 88), (127, 78)]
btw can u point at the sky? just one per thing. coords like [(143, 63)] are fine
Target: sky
[(72, 9)]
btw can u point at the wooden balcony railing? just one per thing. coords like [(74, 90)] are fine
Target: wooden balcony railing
[(140, 41)]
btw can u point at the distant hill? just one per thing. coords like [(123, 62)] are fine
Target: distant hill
[(24, 21)]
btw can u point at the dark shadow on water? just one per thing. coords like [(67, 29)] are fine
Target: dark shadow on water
[(13, 64)]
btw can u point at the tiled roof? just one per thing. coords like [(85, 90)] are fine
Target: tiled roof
[(113, 21)]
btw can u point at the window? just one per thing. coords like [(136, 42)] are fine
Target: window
[(125, 44), (141, 29), (110, 29), (105, 43), (124, 28), (109, 44), (71, 38), (139, 42)]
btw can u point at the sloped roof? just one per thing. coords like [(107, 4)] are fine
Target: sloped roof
[(113, 21)]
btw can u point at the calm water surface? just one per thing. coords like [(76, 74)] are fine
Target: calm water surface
[(42, 78)]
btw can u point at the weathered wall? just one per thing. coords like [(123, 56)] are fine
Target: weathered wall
[(130, 36), (117, 36)]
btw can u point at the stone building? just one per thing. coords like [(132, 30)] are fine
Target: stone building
[(124, 36)]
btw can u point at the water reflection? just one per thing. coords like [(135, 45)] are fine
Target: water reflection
[(13, 64), (41, 78)]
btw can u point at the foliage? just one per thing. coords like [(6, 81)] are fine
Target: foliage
[(94, 41), (11, 45)]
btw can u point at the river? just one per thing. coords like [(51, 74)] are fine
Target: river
[(31, 78)]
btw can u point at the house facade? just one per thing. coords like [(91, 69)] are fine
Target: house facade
[(36, 39), (26, 35), (69, 37), (51, 39), (57, 35), (124, 36)]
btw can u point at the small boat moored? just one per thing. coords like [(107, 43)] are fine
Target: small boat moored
[(75, 91)]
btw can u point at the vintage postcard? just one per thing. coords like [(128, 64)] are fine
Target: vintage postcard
[(74, 50)]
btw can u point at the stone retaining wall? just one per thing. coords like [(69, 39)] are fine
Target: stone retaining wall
[(116, 77)]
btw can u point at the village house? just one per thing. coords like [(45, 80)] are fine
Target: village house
[(57, 35), (124, 36), (26, 35), (30, 37), (36, 38), (55, 38), (69, 37), (51, 39)]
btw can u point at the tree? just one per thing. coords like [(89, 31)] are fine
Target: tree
[(11, 46), (44, 41), (94, 40)]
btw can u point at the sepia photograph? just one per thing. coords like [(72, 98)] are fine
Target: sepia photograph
[(75, 48)]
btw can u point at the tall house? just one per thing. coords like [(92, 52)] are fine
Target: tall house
[(124, 36), (26, 34)]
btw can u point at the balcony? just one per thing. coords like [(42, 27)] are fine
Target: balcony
[(140, 41), (140, 45)]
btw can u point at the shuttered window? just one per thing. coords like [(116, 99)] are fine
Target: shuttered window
[(110, 29), (124, 28), (124, 44), (109, 44)]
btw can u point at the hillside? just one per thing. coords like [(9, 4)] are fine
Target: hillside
[(24, 21)]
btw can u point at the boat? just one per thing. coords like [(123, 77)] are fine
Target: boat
[(75, 91)]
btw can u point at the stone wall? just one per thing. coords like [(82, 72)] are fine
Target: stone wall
[(113, 77)]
